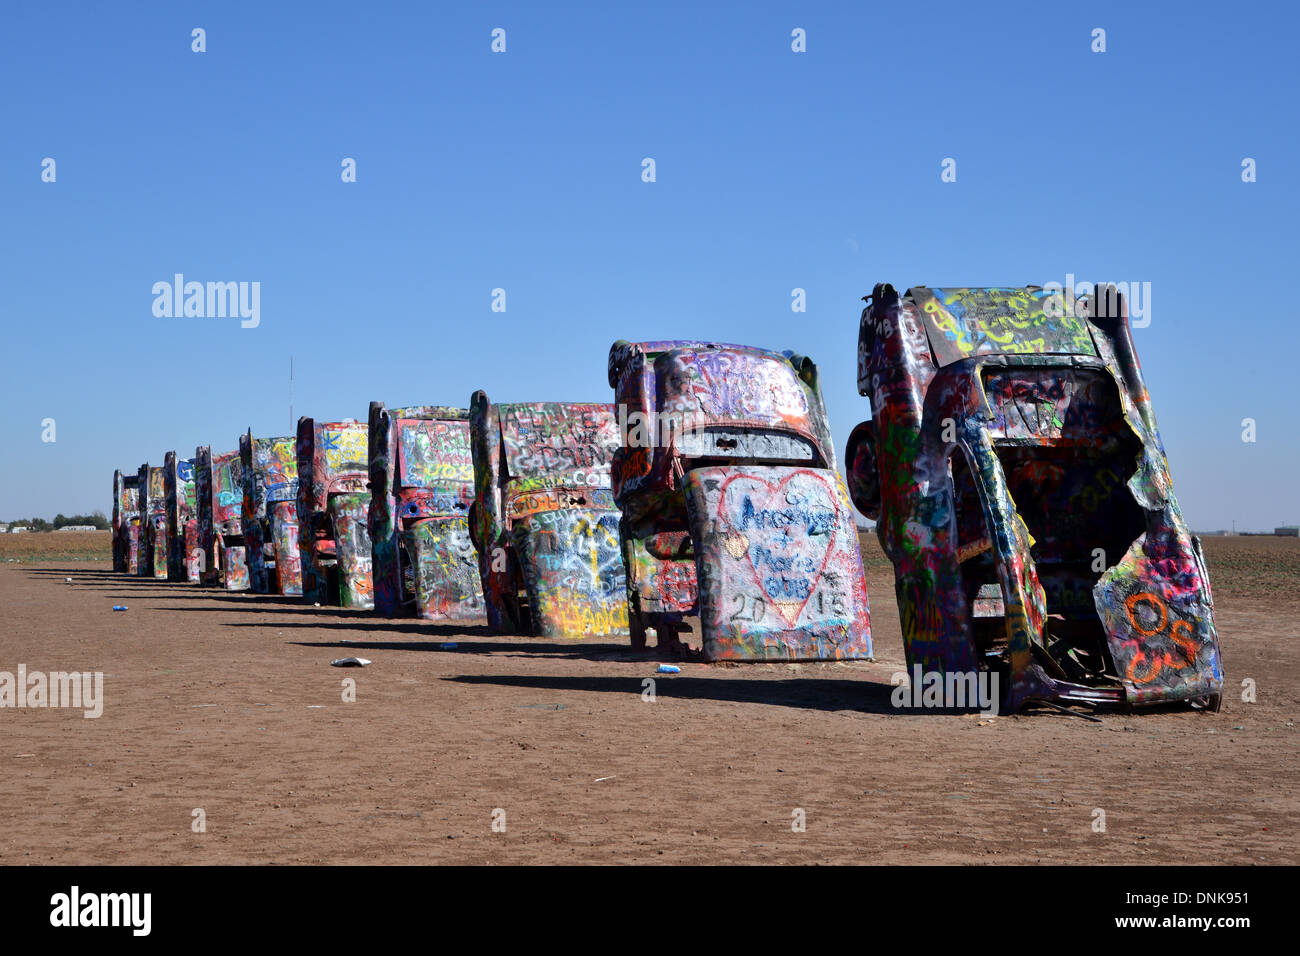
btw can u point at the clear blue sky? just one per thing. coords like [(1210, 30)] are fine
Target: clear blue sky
[(522, 170)]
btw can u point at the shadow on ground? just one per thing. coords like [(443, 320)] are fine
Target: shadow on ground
[(804, 693)]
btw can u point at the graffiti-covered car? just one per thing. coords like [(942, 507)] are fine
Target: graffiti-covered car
[(184, 552), (421, 490), (153, 522), (270, 514), (544, 520), (126, 522), (1021, 490), (333, 502), (726, 473), (219, 490)]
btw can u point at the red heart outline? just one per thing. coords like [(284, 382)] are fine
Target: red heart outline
[(775, 490)]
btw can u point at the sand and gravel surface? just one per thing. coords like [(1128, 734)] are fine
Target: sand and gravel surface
[(227, 703)]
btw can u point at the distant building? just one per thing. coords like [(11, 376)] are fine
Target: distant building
[(4, 529), (19, 529), (78, 527), (1288, 531)]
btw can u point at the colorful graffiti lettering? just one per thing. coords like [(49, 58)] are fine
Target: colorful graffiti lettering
[(346, 449), (434, 451), (545, 526), (549, 439), (573, 571), (990, 321)]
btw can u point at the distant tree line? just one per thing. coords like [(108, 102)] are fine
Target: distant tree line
[(61, 520)]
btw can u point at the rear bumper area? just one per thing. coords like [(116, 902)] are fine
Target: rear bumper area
[(352, 549), (572, 561), (445, 570), (283, 519), (778, 563), (234, 564)]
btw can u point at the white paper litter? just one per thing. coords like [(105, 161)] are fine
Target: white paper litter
[(350, 662)]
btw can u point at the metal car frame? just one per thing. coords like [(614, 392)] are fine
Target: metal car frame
[(153, 522), (219, 489), (421, 491), (333, 505), (726, 472), (1021, 490), (270, 514), (184, 553), (126, 522), (544, 520)]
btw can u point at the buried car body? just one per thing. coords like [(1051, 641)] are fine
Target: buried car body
[(421, 490), (219, 492), (727, 480), (153, 522), (333, 501), (544, 521), (184, 554), (1021, 490), (270, 514), (126, 522)]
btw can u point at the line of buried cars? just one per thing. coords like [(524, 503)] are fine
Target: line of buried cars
[(1011, 463)]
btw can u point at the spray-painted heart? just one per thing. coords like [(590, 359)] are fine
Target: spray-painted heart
[(787, 530)]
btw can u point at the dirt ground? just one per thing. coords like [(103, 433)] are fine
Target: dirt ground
[(227, 703)]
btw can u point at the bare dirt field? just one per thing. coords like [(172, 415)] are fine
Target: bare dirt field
[(227, 703), (56, 546)]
